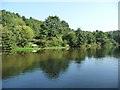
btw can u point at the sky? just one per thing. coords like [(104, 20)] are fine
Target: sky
[(88, 16)]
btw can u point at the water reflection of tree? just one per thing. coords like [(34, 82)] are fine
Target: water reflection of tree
[(52, 62), (76, 54), (15, 64), (54, 67), (116, 52), (105, 51)]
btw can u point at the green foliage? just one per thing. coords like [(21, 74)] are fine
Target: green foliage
[(33, 24), (10, 19), (24, 35), (19, 31), (64, 44), (8, 39), (14, 31), (90, 38), (115, 35), (102, 38), (71, 39), (81, 37), (51, 31)]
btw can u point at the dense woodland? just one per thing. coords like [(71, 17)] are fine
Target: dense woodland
[(19, 31)]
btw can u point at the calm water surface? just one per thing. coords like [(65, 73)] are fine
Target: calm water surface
[(74, 68)]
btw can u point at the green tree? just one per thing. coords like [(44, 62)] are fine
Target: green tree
[(81, 37), (8, 39), (71, 39), (90, 38), (101, 37), (24, 35)]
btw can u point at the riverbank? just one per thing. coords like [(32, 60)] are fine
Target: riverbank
[(36, 49)]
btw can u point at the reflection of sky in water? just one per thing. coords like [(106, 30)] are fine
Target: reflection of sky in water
[(73, 68)]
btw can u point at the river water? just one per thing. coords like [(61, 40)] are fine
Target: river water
[(73, 68)]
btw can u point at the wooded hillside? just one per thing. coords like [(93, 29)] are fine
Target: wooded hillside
[(19, 31)]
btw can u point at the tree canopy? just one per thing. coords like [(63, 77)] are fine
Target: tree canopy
[(19, 31)]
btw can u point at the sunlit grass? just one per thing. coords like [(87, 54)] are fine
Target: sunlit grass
[(31, 49)]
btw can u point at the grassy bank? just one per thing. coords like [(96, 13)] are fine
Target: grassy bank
[(32, 49), (86, 46)]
